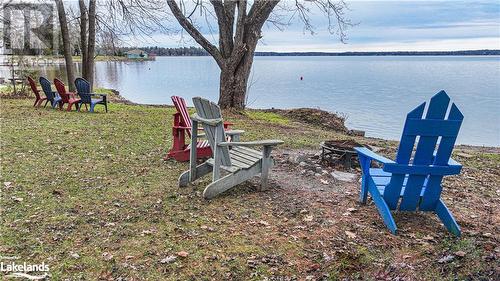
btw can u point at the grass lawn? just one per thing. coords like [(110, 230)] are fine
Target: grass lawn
[(90, 195)]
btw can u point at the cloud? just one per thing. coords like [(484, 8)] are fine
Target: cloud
[(384, 26)]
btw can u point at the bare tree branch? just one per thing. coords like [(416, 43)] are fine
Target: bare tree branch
[(197, 36)]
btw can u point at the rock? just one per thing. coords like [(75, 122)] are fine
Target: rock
[(317, 174), (298, 158), (75, 255), (168, 259), (487, 235), (343, 176), (446, 259), (302, 164), (352, 210), (325, 182), (7, 183), (357, 133)]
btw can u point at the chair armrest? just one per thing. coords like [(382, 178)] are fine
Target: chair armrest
[(234, 132), (212, 122), (253, 143), (422, 169), (372, 155)]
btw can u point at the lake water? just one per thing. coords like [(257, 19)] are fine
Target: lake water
[(375, 93)]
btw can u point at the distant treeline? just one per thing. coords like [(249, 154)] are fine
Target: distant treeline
[(433, 53), (160, 51), (196, 51)]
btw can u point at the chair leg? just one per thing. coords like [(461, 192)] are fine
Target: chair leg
[(92, 107), (201, 170), (106, 106), (229, 181), (36, 101), (365, 164), (447, 218), (267, 162), (70, 105), (382, 207), (47, 101)]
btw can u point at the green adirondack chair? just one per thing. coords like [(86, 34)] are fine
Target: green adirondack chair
[(415, 183), (236, 158)]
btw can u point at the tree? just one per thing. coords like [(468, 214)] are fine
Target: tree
[(87, 38), (239, 29), (66, 44)]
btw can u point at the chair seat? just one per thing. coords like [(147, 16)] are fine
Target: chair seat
[(241, 158), (382, 179), (96, 100), (73, 100)]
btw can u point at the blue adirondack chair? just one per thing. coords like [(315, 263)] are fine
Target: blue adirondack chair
[(416, 181), (52, 96), (83, 89)]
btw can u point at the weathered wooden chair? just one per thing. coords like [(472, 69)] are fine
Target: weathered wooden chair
[(182, 127), (235, 157), (416, 181)]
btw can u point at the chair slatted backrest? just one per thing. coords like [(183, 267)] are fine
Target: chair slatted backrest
[(214, 134), (47, 89), (33, 87), (428, 130), (180, 105), (83, 89), (61, 89)]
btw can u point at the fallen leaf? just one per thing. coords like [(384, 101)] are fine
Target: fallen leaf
[(460, 254), (264, 223), (350, 234), (107, 256), (445, 259), (308, 218), (325, 182), (352, 210), (7, 183), (168, 259), (182, 254)]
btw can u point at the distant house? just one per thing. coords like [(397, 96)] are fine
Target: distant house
[(137, 54)]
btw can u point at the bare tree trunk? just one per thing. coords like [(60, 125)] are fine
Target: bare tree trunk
[(237, 43), (234, 81), (66, 44), (83, 37), (91, 43)]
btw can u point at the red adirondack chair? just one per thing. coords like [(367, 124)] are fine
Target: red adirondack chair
[(38, 98), (182, 126), (66, 97)]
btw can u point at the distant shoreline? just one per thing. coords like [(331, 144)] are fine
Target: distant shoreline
[(396, 53)]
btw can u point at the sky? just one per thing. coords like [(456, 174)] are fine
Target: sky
[(381, 26)]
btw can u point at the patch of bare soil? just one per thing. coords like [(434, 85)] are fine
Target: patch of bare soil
[(345, 238), (314, 116)]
